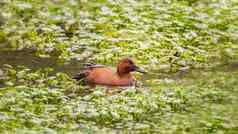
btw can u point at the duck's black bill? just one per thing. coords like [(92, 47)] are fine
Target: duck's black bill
[(138, 69)]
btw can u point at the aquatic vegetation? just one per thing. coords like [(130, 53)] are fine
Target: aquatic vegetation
[(163, 36)]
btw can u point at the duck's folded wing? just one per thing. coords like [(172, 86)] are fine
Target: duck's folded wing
[(90, 65), (85, 72), (81, 75)]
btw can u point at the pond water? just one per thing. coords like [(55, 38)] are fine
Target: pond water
[(28, 59)]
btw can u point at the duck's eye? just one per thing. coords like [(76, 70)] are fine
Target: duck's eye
[(128, 68)]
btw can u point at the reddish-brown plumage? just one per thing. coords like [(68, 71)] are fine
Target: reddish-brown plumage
[(102, 75)]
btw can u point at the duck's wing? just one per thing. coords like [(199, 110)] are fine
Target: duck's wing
[(85, 72), (90, 65)]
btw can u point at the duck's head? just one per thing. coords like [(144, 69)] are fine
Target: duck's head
[(126, 65)]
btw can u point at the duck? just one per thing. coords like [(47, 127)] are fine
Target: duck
[(103, 75)]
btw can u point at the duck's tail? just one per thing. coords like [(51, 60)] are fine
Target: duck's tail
[(81, 76)]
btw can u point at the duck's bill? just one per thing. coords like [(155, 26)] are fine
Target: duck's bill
[(138, 69)]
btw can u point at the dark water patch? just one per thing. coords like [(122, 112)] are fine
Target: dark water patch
[(28, 59), (193, 73)]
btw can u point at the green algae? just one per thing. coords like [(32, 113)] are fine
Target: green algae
[(170, 38)]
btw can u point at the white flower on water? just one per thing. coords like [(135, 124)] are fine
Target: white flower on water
[(190, 35), (23, 5), (201, 25), (106, 10)]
